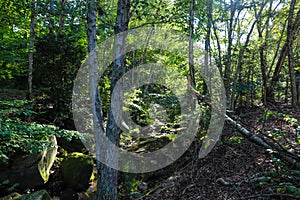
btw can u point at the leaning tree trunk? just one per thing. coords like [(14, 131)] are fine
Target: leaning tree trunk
[(241, 57), (293, 27), (31, 49)]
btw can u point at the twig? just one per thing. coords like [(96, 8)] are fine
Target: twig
[(270, 195)]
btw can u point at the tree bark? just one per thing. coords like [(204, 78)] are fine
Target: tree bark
[(31, 49)]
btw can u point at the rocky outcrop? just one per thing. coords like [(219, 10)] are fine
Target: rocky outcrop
[(32, 170)]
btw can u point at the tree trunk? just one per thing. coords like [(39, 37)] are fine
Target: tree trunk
[(292, 76), (51, 23), (207, 42), (61, 16), (262, 49), (292, 29), (240, 58), (191, 78), (219, 48), (31, 49), (110, 176), (95, 96), (229, 49)]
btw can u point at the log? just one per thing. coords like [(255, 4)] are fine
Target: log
[(294, 161)]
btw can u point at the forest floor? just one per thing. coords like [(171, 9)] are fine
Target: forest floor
[(234, 169)]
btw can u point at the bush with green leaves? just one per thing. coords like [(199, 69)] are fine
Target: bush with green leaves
[(19, 137)]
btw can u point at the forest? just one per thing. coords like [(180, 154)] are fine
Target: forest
[(149, 99)]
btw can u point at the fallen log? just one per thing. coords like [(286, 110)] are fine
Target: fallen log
[(292, 160), (259, 141)]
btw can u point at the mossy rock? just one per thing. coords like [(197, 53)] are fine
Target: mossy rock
[(77, 169)]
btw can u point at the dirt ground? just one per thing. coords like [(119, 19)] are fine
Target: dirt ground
[(232, 170)]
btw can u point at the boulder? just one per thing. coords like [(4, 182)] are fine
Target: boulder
[(11, 196), (77, 170), (32, 170)]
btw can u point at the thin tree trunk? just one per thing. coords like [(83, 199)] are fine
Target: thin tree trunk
[(240, 58), (207, 42), (31, 49), (277, 150), (292, 76), (227, 72), (51, 24), (291, 55), (191, 78), (219, 47), (61, 16), (262, 49)]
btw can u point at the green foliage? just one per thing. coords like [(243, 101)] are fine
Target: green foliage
[(19, 137), (57, 61), (16, 108), (9, 188), (289, 129), (140, 105)]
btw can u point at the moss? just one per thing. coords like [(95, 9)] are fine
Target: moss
[(77, 169)]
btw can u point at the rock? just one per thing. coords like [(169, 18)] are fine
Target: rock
[(11, 196), (134, 195), (31, 170), (47, 160), (69, 194), (142, 186), (38, 195), (77, 170)]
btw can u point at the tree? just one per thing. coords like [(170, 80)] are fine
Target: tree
[(31, 48), (108, 177), (293, 26), (113, 131), (241, 56), (191, 77)]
